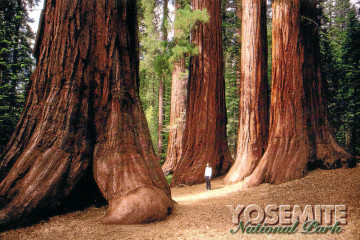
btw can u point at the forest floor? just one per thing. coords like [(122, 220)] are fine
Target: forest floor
[(200, 214)]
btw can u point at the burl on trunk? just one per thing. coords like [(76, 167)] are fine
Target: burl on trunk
[(299, 135), (83, 111), (204, 137)]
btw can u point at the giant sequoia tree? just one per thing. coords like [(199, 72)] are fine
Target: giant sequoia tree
[(253, 123), (177, 111), (204, 137), (299, 135), (83, 111)]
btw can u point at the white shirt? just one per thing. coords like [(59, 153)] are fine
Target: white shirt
[(208, 172)]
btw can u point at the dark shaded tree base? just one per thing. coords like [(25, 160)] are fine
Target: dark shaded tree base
[(84, 195), (83, 122)]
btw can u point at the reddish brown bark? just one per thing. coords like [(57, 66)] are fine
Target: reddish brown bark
[(83, 110), (205, 130), (177, 113), (299, 136), (253, 120)]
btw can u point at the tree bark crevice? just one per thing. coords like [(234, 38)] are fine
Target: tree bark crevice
[(299, 135), (204, 137), (254, 104), (83, 111)]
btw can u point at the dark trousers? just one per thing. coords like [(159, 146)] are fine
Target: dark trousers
[(208, 185)]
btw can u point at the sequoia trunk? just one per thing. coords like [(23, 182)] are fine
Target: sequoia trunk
[(83, 109), (177, 113), (205, 131), (253, 122), (299, 136)]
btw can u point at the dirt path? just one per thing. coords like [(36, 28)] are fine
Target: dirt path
[(201, 214)]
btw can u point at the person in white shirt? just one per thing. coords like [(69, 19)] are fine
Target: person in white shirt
[(208, 173)]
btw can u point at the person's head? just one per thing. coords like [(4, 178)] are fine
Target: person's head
[(208, 164)]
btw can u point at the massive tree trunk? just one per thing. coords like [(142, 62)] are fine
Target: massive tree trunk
[(253, 120), (177, 113), (205, 130), (82, 111), (299, 137)]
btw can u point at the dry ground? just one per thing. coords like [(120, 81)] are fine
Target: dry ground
[(201, 214)]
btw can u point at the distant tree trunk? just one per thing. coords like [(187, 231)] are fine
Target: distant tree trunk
[(161, 83), (205, 130), (254, 110), (177, 113), (83, 110), (299, 137)]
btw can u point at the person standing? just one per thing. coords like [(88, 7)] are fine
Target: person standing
[(208, 173)]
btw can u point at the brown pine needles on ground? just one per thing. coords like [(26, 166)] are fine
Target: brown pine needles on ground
[(201, 214)]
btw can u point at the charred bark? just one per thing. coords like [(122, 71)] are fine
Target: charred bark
[(83, 110), (253, 119), (205, 131), (177, 114), (299, 137)]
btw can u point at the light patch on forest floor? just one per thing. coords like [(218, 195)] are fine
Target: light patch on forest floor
[(200, 214), (219, 189)]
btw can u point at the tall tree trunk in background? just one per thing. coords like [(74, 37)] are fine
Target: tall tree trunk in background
[(177, 112), (205, 130), (161, 83), (82, 111), (254, 110), (299, 137)]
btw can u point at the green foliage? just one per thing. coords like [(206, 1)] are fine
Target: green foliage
[(186, 21), (151, 117), (168, 178), (15, 62), (269, 41), (339, 42), (232, 53), (157, 57)]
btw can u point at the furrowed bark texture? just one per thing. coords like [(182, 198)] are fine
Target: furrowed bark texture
[(299, 136), (253, 123), (177, 114), (205, 130), (83, 110)]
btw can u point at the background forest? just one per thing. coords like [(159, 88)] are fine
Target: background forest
[(164, 31)]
